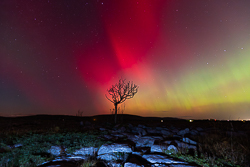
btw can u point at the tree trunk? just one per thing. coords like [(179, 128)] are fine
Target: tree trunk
[(115, 112)]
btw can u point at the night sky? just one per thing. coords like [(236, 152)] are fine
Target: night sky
[(190, 58)]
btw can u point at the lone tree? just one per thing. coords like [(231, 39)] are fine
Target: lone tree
[(121, 92)]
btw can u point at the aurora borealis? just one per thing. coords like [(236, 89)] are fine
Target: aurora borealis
[(191, 59)]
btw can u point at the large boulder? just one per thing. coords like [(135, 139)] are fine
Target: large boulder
[(158, 148), (172, 149), (55, 150)]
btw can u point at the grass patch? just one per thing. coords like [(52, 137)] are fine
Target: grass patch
[(218, 148), (89, 163), (34, 150)]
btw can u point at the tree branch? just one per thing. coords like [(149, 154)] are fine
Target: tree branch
[(122, 91)]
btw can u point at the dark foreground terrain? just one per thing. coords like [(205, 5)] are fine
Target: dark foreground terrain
[(47, 122), (226, 140)]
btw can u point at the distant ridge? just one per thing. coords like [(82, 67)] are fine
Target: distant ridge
[(130, 116), (103, 116)]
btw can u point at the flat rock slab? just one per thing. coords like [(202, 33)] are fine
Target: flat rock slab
[(161, 159), (86, 151), (115, 147)]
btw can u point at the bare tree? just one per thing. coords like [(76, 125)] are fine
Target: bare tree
[(121, 92)]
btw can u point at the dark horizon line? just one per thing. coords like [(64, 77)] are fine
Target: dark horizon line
[(177, 118)]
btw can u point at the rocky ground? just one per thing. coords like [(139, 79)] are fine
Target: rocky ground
[(134, 141)]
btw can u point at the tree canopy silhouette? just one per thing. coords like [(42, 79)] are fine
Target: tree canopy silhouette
[(120, 92)]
